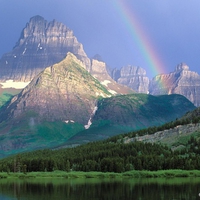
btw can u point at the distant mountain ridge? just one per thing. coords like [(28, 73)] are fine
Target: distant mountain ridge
[(181, 81), (132, 76)]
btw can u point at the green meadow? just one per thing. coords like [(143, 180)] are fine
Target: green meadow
[(79, 174)]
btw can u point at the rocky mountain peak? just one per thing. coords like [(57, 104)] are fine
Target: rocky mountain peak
[(181, 67), (39, 28), (64, 91), (36, 19), (97, 57), (181, 81), (40, 45), (36, 26)]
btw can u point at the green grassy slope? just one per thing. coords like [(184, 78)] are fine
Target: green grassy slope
[(26, 136), (6, 94), (142, 110)]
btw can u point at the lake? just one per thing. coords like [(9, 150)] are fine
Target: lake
[(100, 189)]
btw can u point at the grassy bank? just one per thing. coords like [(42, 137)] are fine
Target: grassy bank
[(129, 174)]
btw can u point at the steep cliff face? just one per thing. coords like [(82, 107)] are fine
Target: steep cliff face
[(133, 77), (64, 92), (181, 81), (41, 44)]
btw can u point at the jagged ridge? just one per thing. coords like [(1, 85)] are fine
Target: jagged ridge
[(40, 45)]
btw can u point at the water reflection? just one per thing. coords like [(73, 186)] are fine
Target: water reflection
[(100, 189)]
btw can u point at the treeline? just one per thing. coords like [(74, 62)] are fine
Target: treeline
[(112, 155), (107, 156)]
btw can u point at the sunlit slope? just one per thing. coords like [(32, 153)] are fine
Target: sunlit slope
[(57, 104)]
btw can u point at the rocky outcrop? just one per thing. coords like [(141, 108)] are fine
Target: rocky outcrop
[(133, 77), (40, 45), (181, 81), (99, 71), (63, 92), (170, 137)]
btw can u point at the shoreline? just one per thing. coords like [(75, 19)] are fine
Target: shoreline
[(93, 174)]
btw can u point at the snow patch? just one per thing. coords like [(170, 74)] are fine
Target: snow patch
[(69, 121), (105, 82), (100, 94), (87, 126), (16, 85), (24, 51), (39, 47), (112, 91)]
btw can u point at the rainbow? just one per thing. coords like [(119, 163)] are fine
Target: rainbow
[(144, 44)]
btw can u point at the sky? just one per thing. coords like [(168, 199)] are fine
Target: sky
[(155, 35)]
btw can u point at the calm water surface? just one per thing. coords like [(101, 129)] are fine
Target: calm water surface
[(100, 189)]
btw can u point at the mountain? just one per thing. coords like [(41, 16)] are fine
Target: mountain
[(65, 103), (43, 44), (133, 77), (181, 81), (69, 99), (64, 91), (142, 110), (40, 45), (58, 103), (125, 113)]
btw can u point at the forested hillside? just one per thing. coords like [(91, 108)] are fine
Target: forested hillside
[(107, 156), (113, 154)]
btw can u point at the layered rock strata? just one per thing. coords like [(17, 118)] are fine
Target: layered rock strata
[(133, 77), (181, 81), (40, 45)]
